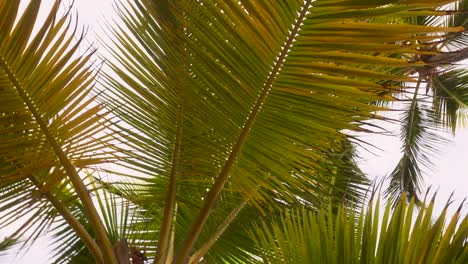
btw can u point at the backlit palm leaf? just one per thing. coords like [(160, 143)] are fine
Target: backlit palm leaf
[(445, 87), (420, 144), (49, 126), (231, 110), (403, 236), (248, 97), (447, 80), (117, 216)]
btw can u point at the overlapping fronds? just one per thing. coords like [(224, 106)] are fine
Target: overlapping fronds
[(44, 97), (445, 88), (50, 126), (117, 216), (230, 110), (455, 16), (16, 202), (224, 239), (401, 235), (249, 97)]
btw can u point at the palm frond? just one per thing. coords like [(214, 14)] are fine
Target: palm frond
[(398, 236), (116, 214), (16, 202), (451, 15), (459, 17), (450, 96), (50, 126), (246, 97), (420, 143), (6, 244), (222, 240), (349, 184)]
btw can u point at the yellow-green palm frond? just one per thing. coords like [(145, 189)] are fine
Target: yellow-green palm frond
[(44, 104), (250, 96), (50, 126)]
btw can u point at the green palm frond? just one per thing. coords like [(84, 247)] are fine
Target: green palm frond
[(117, 218), (226, 245), (33, 214), (450, 96), (348, 184), (445, 85), (249, 96), (17, 199), (401, 235), (50, 126), (450, 15), (44, 101), (458, 16), (66, 245), (420, 143), (230, 111)]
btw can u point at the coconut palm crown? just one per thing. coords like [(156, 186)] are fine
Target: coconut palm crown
[(212, 124)]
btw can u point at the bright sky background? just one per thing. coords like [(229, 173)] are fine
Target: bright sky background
[(451, 165)]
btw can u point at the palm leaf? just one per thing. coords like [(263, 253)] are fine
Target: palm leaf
[(223, 240), (447, 81), (117, 218), (420, 144), (419, 123), (450, 97), (457, 16), (50, 128), (17, 200), (399, 236), (245, 96)]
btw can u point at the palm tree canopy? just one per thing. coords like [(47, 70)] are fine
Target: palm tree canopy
[(228, 112), (249, 97)]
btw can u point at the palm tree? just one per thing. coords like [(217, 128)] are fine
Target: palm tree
[(215, 115), (442, 104)]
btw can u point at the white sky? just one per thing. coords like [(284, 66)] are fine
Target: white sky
[(451, 166)]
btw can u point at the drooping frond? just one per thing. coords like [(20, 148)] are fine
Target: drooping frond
[(420, 144), (348, 183), (17, 199), (228, 239), (117, 217), (456, 17)]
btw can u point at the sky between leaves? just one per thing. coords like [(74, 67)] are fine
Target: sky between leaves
[(451, 174)]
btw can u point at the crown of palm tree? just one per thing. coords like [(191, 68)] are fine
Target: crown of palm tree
[(228, 113)]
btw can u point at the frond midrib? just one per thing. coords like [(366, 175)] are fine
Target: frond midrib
[(65, 162)]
